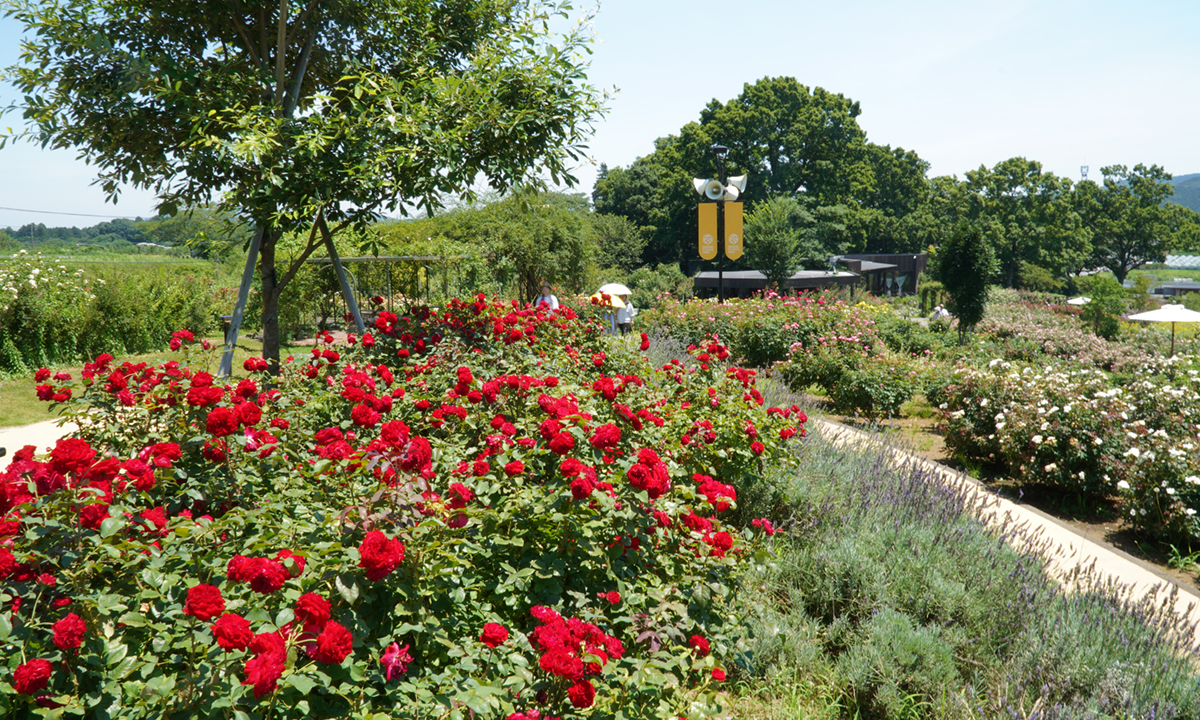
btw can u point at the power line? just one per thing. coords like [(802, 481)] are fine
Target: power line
[(51, 212)]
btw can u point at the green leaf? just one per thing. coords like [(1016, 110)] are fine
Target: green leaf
[(303, 683), (110, 526), (348, 590), (115, 654), (5, 627)]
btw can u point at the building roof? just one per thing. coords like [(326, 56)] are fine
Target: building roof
[(753, 279)]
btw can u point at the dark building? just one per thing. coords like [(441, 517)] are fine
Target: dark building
[(882, 275)]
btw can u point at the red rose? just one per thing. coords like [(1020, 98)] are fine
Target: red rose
[(333, 644), (699, 645), (562, 443), (221, 422), (417, 455), (606, 437), (379, 556), (480, 468), (494, 635), (72, 455), (68, 632), (516, 467), (32, 676), (214, 451), (42, 375), (263, 672), (395, 660), (297, 566), (582, 694), (581, 488), (645, 343), (204, 602), (232, 632), (364, 416), (249, 414), (757, 447), (255, 364), (204, 396), (612, 597), (313, 611), (718, 674)]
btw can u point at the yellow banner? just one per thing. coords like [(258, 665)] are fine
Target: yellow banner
[(708, 230), (733, 230)]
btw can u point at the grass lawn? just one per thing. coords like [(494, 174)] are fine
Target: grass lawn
[(20, 406)]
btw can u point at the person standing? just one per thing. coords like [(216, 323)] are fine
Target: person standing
[(625, 315), (547, 298)]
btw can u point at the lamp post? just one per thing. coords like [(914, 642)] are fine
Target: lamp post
[(714, 224), (721, 151)]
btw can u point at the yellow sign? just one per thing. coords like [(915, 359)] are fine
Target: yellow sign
[(708, 230), (733, 230)]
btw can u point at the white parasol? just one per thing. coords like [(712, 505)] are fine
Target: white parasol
[(1079, 301), (1172, 314), (615, 289)]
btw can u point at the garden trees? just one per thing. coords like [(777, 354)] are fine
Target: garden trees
[(786, 136), (1130, 222), (1108, 302), (965, 265), (777, 227), (304, 116), (1034, 214)]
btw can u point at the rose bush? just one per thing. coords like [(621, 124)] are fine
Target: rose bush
[(484, 511), (1077, 428)]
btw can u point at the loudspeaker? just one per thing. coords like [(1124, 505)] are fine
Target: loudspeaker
[(710, 189), (738, 182), (731, 193)]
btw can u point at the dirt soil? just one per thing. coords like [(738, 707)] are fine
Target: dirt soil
[(1100, 520)]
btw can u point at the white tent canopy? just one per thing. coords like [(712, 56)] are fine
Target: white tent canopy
[(1079, 301)]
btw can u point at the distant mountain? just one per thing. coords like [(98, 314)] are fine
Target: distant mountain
[(1187, 191)]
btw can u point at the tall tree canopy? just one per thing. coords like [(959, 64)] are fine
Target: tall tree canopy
[(784, 135), (305, 115), (1033, 214), (1130, 223)]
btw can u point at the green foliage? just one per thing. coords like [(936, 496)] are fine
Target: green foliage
[(774, 230), (1032, 216), (306, 118), (652, 286), (461, 456), (1038, 279), (1130, 222), (931, 295), (50, 315), (965, 265), (619, 242), (1109, 301)]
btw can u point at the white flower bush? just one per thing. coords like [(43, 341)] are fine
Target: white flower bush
[(1073, 426)]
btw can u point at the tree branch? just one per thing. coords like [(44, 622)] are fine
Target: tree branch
[(292, 99), (309, 248), (243, 33), (281, 55)]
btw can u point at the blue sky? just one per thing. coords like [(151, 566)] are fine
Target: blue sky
[(962, 82)]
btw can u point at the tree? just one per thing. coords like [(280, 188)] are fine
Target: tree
[(1108, 301), (1034, 214), (965, 266), (619, 242), (1130, 221), (773, 237), (784, 135), (305, 116), (542, 237)]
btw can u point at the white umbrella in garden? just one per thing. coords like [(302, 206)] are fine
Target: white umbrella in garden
[(1079, 301), (615, 289), (1172, 314)]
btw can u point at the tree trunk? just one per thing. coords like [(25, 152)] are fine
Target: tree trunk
[(270, 302)]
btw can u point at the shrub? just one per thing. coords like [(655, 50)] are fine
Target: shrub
[(485, 509)]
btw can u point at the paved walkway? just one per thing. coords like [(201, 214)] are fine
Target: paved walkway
[(1065, 547), (43, 435)]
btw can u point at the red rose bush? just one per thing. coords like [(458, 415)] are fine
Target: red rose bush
[(486, 507)]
